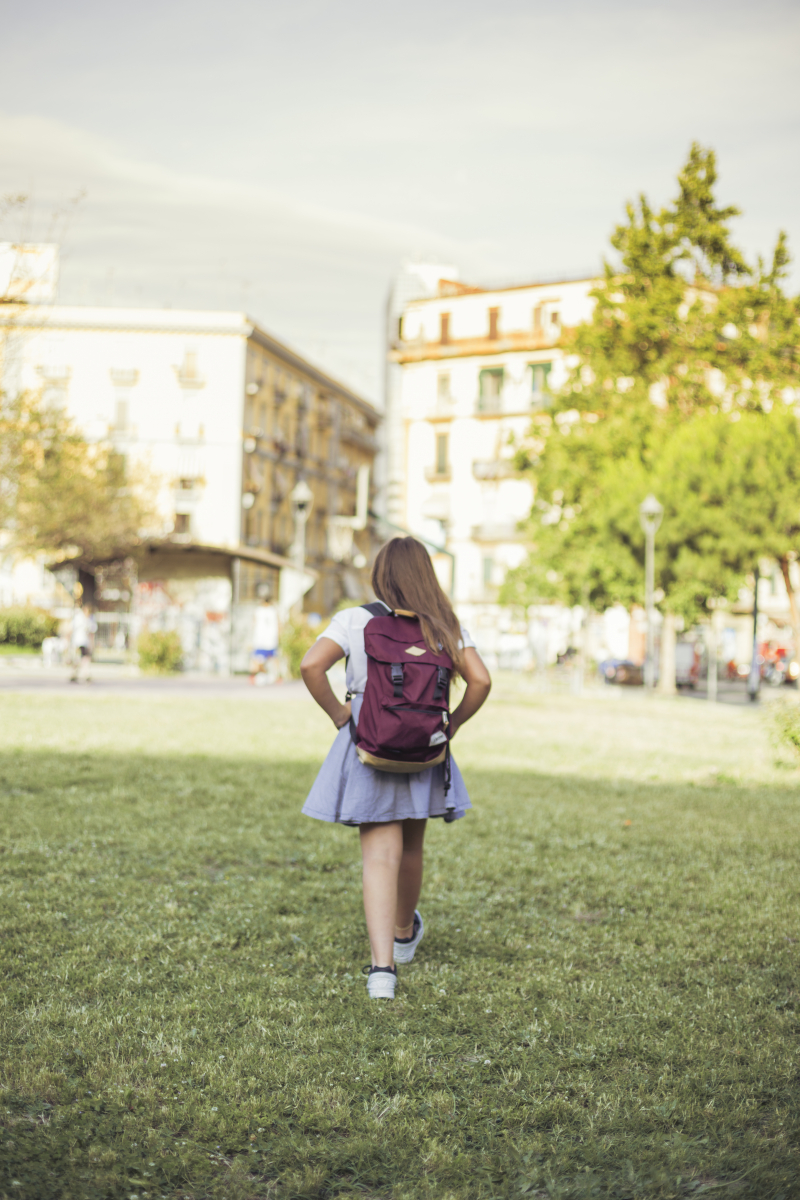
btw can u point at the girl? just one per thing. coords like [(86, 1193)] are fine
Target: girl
[(390, 809)]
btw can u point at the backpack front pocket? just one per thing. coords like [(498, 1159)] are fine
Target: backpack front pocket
[(413, 728)]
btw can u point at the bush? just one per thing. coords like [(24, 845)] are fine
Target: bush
[(297, 636), (26, 626), (784, 717), (160, 652)]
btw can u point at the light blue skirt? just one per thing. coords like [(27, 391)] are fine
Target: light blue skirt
[(348, 792)]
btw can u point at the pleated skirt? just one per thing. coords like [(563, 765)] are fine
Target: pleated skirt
[(350, 793)]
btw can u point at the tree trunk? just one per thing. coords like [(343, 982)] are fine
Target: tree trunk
[(666, 681), (794, 615)]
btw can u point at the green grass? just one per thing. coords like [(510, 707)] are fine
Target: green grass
[(605, 1003)]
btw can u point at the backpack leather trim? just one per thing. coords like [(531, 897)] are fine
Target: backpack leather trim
[(399, 768)]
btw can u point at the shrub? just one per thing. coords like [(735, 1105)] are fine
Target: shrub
[(160, 652), (297, 636), (26, 626), (785, 720)]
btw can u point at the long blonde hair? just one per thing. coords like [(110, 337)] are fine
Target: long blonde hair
[(403, 577)]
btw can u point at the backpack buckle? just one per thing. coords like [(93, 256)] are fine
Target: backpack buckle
[(441, 683), (397, 680)]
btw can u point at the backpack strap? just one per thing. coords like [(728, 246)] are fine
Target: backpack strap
[(377, 608)]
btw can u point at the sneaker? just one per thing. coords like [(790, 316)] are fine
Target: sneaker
[(406, 948), (381, 982)]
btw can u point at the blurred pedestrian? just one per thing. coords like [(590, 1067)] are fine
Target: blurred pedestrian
[(84, 627), (263, 660)]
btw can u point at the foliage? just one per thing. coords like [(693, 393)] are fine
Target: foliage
[(160, 651), (60, 494), (598, 1009), (785, 727), (685, 341), (26, 626), (297, 636)]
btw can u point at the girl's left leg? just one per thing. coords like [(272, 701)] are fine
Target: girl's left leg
[(409, 883), (381, 852)]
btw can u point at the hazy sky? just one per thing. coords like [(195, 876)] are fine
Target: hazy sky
[(287, 157)]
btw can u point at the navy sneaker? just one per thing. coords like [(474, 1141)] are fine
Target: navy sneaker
[(406, 948), (381, 982)]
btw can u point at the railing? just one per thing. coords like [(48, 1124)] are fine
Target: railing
[(505, 531), (489, 404), (493, 468)]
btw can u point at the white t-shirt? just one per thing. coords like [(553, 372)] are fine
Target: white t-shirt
[(265, 627), (82, 628), (347, 630)]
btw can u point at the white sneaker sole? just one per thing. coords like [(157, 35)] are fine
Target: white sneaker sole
[(404, 951), (381, 987)]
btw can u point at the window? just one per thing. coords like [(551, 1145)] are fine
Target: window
[(444, 328), (540, 391), (441, 454), (537, 319), (488, 571), (494, 321), (490, 389), (186, 484), (121, 410), (182, 523), (555, 320), (443, 387)]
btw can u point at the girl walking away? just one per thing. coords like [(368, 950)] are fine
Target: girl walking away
[(390, 767)]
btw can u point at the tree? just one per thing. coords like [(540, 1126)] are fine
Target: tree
[(61, 495), (687, 345)]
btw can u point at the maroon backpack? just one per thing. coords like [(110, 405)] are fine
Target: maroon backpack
[(404, 722)]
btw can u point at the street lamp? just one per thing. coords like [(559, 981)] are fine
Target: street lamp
[(650, 514), (302, 499)]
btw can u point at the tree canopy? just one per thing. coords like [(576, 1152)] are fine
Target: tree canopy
[(683, 383), (60, 494)]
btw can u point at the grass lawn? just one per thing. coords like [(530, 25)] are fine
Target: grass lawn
[(605, 1003)]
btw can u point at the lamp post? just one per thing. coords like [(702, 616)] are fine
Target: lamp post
[(650, 514), (754, 678), (302, 499)]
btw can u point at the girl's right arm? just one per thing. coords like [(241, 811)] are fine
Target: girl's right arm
[(314, 667), (479, 684)]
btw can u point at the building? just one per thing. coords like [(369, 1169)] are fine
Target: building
[(469, 367), (228, 420)]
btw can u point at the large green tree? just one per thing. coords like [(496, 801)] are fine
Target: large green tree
[(689, 353), (60, 494)]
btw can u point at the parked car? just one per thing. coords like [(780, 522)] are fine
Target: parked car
[(622, 671)]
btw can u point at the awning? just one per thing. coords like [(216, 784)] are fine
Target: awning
[(171, 559)]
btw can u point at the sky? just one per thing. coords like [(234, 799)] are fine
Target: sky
[(286, 159)]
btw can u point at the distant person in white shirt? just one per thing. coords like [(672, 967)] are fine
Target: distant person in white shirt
[(266, 635), (84, 628)]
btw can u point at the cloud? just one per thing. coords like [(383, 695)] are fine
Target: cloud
[(149, 235), (286, 158)]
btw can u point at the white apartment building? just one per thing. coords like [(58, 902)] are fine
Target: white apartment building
[(226, 419), (468, 368)]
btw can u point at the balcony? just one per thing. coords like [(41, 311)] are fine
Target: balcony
[(500, 531), (488, 470), (540, 401), (435, 475)]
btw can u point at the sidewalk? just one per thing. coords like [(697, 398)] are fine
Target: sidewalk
[(28, 674)]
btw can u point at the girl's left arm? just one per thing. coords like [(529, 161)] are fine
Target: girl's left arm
[(314, 667)]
